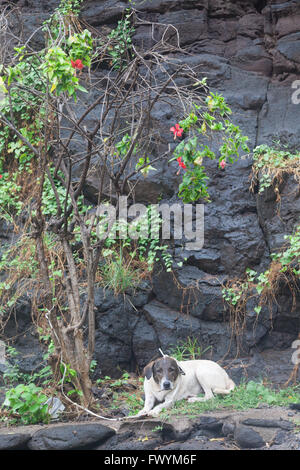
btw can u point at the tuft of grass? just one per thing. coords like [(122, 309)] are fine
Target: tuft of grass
[(269, 166), (189, 349), (119, 274)]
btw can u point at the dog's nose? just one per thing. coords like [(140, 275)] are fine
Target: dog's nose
[(167, 385)]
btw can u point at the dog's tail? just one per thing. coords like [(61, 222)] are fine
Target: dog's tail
[(230, 385)]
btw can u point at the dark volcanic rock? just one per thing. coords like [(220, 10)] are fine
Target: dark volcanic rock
[(247, 438), (269, 423), (173, 327), (249, 51), (12, 441), (70, 436), (20, 333)]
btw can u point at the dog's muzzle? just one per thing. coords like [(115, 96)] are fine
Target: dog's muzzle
[(167, 385)]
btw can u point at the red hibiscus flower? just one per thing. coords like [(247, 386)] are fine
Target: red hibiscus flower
[(177, 131), (0, 176), (222, 164), (77, 64), (181, 164)]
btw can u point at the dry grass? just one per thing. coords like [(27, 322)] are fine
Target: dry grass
[(271, 166)]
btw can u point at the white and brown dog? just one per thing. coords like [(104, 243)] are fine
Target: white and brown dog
[(168, 380)]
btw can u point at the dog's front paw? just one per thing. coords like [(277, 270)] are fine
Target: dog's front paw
[(153, 414), (130, 417), (142, 414), (193, 399)]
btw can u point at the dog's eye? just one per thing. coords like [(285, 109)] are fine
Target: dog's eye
[(159, 371), (171, 369)]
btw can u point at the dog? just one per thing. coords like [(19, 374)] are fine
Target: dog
[(168, 380)]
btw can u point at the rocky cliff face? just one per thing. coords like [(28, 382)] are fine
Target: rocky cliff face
[(250, 52)]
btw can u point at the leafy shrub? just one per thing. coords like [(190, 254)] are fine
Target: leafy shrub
[(58, 67), (27, 404), (24, 80), (121, 42), (285, 262), (289, 257), (9, 196), (198, 126)]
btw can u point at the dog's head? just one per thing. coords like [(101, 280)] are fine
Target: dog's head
[(165, 371)]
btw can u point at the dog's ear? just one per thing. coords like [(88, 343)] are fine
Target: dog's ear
[(148, 370), (180, 370)]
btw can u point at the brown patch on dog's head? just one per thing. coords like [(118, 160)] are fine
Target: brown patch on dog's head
[(148, 370), (165, 371)]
